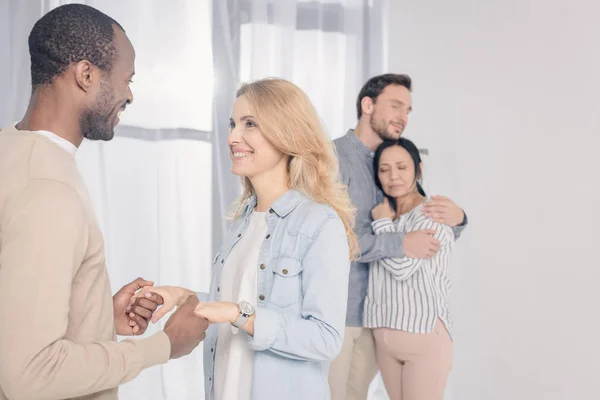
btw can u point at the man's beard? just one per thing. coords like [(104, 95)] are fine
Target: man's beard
[(380, 128), (97, 123)]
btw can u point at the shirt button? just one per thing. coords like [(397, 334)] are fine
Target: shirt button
[(285, 271), (210, 379), (211, 350), (270, 211), (239, 235), (218, 289), (263, 266), (261, 297), (268, 236)]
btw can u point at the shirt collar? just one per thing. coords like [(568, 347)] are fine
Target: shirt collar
[(284, 205), (53, 137)]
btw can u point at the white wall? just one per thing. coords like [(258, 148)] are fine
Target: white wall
[(506, 97)]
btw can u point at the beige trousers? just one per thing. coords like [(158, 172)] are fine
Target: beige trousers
[(414, 366), (351, 373)]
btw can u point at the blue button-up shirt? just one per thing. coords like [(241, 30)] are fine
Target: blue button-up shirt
[(302, 270)]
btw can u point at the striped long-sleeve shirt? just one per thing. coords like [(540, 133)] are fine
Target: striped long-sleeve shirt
[(409, 294)]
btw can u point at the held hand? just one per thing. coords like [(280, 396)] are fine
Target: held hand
[(443, 211), (421, 244), (184, 329), (129, 323), (218, 312), (172, 296), (383, 210)]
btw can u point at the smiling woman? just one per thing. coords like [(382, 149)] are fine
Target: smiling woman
[(246, 139), (290, 247)]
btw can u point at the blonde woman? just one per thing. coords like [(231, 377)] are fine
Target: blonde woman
[(277, 300)]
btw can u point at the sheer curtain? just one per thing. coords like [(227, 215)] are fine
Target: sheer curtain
[(162, 187), (328, 48)]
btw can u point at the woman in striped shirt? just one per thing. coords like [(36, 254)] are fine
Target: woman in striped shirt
[(407, 300)]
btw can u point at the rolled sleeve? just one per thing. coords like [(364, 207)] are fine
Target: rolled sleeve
[(267, 327)]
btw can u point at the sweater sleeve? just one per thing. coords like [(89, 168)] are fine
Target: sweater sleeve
[(43, 243)]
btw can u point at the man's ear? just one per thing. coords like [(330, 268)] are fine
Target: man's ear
[(367, 105), (84, 75)]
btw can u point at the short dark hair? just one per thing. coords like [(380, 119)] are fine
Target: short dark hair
[(69, 34), (413, 150), (375, 86)]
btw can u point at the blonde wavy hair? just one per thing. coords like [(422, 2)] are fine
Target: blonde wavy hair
[(288, 120)]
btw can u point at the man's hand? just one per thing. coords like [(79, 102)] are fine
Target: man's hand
[(421, 244), (443, 211), (383, 210), (184, 329), (126, 321)]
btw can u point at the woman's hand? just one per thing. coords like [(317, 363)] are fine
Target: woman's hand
[(383, 210), (218, 312), (173, 296)]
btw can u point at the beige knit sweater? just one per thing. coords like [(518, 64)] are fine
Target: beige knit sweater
[(57, 333)]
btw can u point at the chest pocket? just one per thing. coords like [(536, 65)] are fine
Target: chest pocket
[(287, 283)]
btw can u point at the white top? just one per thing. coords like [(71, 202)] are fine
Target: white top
[(410, 294), (233, 357), (61, 142)]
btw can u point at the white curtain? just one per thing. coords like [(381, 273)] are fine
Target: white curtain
[(162, 186), (151, 197), (327, 47)]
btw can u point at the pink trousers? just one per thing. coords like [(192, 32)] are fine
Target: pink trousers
[(414, 366)]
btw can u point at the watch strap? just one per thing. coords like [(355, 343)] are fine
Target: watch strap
[(241, 320)]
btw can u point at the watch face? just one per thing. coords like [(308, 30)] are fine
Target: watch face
[(246, 307)]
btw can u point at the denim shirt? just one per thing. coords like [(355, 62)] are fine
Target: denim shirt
[(303, 270)]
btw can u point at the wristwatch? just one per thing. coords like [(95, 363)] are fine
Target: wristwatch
[(246, 311)]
